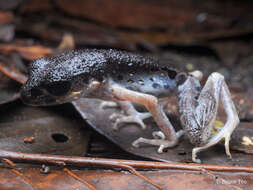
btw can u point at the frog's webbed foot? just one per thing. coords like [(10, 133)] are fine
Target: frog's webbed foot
[(154, 107), (206, 111), (132, 116), (159, 140)]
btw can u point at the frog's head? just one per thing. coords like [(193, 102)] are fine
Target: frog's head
[(55, 81)]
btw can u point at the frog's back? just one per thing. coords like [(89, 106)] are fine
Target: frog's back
[(133, 71), (99, 63), (141, 74)]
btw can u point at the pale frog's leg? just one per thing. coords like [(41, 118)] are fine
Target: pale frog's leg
[(108, 104), (216, 86), (156, 110), (131, 115), (159, 140)]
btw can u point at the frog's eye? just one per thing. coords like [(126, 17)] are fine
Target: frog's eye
[(172, 74), (35, 92), (58, 88)]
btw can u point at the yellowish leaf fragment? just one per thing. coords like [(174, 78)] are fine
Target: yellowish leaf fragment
[(247, 141)]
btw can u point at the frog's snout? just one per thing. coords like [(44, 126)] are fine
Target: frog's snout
[(31, 96), (25, 95)]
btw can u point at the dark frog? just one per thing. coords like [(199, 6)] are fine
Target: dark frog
[(128, 78)]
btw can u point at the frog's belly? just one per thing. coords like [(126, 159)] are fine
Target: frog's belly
[(157, 85)]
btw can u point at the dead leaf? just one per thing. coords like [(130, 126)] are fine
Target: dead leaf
[(27, 52), (98, 118), (53, 132), (13, 72), (107, 180), (6, 17), (9, 89)]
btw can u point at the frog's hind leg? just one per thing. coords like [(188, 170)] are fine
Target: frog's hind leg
[(156, 110), (216, 87)]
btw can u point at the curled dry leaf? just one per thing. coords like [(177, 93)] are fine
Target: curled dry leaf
[(10, 5), (159, 14), (7, 32), (9, 89), (26, 52), (67, 43), (11, 71), (6, 17), (29, 139)]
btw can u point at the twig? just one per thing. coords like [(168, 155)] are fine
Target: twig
[(12, 74), (23, 177), (48, 159), (16, 172), (86, 161), (135, 172), (8, 162), (79, 179)]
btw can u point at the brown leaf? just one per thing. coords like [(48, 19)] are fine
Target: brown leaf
[(53, 132), (98, 118), (12, 71), (29, 139), (6, 17), (27, 52), (84, 33), (9, 89), (173, 15), (153, 22), (107, 180)]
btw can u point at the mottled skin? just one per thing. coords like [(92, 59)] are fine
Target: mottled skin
[(126, 77), (75, 70)]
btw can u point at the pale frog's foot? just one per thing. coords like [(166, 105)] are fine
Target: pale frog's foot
[(225, 133), (132, 116), (158, 140), (121, 119), (108, 104)]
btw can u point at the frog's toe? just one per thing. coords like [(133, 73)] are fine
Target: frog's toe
[(158, 135), (161, 148), (194, 155), (137, 142), (108, 104), (115, 116), (137, 119), (198, 161), (227, 139), (128, 119), (157, 141)]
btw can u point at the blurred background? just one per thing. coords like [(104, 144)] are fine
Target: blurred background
[(210, 35)]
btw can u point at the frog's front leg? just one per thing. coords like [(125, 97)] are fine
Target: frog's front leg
[(108, 104), (156, 110), (131, 115), (198, 113)]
